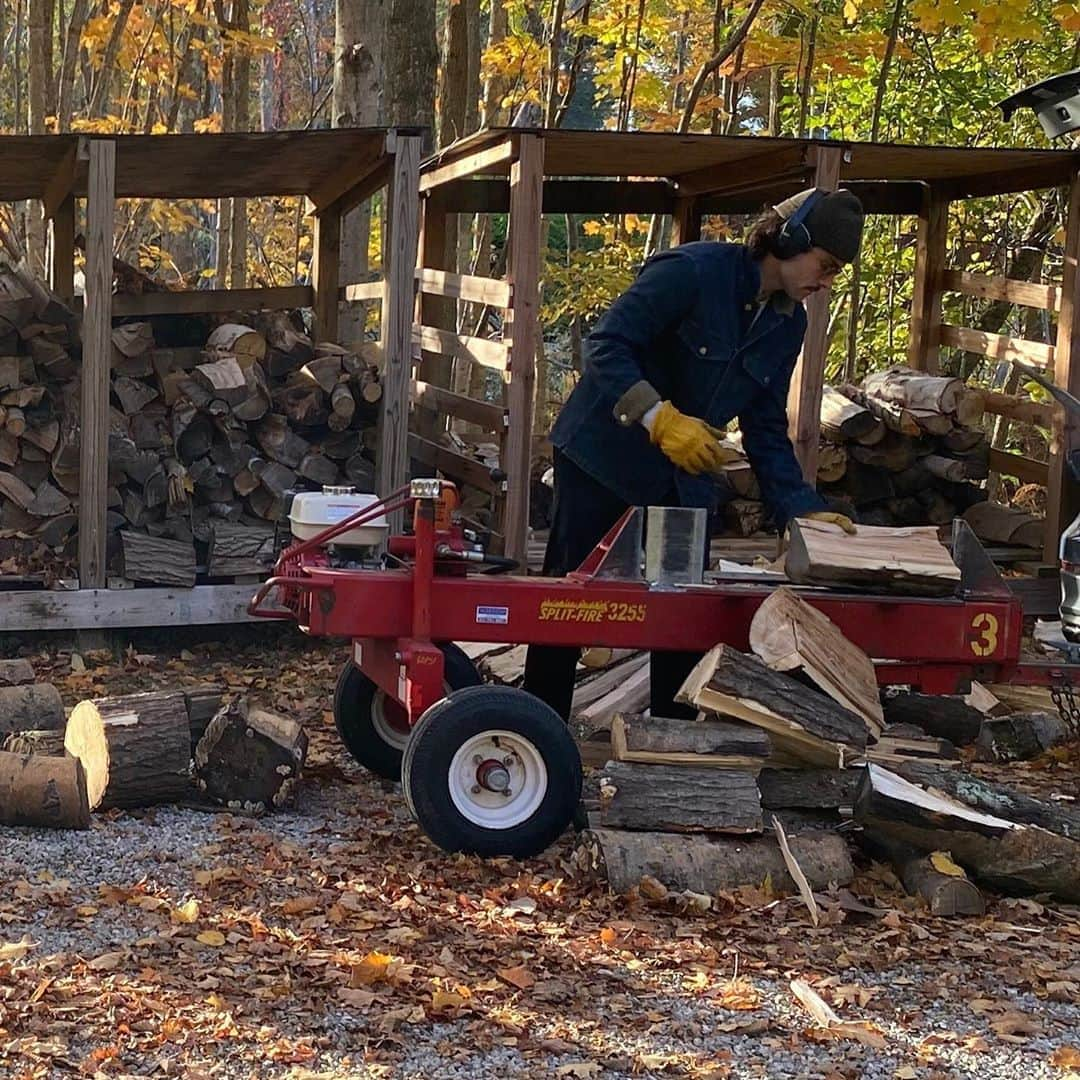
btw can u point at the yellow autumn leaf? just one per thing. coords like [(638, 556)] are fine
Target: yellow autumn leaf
[(851, 10), (442, 1000), (187, 912), (15, 950), (608, 936), (373, 968), (943, 863), (211, 937), (1066, 1057)]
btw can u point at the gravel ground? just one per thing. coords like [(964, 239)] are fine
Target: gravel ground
[(335, 941)]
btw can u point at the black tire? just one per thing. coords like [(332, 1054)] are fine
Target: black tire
[(374, 739), (547, 797)]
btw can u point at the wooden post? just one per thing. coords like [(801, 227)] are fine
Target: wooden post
[(402, 218), (1062, 502), (522, 330), (924, 345), (326, 260), (804, 397), (62, 250), (686, 221), (96, 356)]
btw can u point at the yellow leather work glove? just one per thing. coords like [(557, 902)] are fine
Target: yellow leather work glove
[(828, 516), (688, 442)]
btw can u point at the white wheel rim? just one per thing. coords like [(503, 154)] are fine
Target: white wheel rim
[(522, 762), (385, 730)]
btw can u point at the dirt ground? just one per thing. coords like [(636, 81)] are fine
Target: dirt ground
[(335, 941)]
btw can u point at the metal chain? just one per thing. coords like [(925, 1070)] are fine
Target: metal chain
[(1061, 693)]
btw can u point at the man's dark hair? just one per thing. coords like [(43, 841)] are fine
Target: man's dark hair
[(761, 240)]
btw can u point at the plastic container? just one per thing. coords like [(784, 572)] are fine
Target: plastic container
[(313, 511)]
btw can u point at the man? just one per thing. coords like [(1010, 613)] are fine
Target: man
[(707, 332)]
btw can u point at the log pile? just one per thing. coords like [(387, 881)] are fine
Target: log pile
[(903, 448), (204, 440), (138, 750)]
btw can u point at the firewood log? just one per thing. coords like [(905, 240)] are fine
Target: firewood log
[(916, 390), (223, 378), (149, 747), (319, 469), (279, 441), (679, 798), (249, 759), (163, 562), (9, 448), (239, 341), (704, 864), (946, 894), (659, 740), (304, 405), (257, 402), (34, 742), (324, 371), (16, 672), (832, 462), (745, 517), (843, 419), (239, 549), (32, 707), (894, 453), (43, 790), (44, 435), (1020, 736)]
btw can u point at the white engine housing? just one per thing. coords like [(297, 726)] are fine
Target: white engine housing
[(313, 511)]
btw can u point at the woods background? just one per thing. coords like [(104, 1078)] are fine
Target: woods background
[(912, 71)]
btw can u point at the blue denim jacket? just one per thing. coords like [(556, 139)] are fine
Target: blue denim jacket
[(690, 327)]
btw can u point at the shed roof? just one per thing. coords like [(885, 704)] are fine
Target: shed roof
[(244, 164), (703, 163)]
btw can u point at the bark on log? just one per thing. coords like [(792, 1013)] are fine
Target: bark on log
[(202, 703), (319, 469), (250, 760), (832, 463), (911, 560), (33, 707), (704, 864), (239, 549), (944, 717), (279, 441), (803, 724), (808, 789), (149, 747), (996, 524), (41, 790), (843, 419), (241, 341), (16, 672), (164, 562), (1015, 854), (892, 417), (679, 798), (894, 453), (744, 517), (660, 740), (1020, 737)]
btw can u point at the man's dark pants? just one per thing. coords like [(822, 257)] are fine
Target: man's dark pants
[(582, 513)]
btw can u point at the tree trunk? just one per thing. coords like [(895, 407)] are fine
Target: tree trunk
[(358, 81), (38, 73), (412, 58)]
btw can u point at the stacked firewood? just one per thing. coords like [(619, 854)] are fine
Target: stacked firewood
[(137, 750), (204, 441), (903, 448)]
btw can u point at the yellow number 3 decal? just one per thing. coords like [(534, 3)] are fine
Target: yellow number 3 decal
[(985, 626)]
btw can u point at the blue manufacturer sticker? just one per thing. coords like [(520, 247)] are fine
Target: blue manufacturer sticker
[(499, 615)]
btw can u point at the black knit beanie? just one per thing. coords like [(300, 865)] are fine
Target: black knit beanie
[(835, 223)]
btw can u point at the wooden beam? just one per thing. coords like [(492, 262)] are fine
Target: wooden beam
[(96, 358), (522, 330), (350, 177), (482, 413), (403, 222), (92, 609), (457, 466), (996, 287), (1007, 181), (996, 346), (686, 221), (804, 398), (363, 290), (198, 301), (492, 354), (479, 290), (431, 310), (1023, 468), (62, 250), (493, 159), (60, 187), (1023, 410), (474, 196), (374, 181), (923, 343), (1062, 501), (749, 172), (325, 267)]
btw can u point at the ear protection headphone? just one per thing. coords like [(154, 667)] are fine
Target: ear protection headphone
[(794, 237)]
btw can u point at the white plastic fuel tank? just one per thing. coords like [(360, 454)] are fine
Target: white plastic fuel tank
[(313, 511)]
